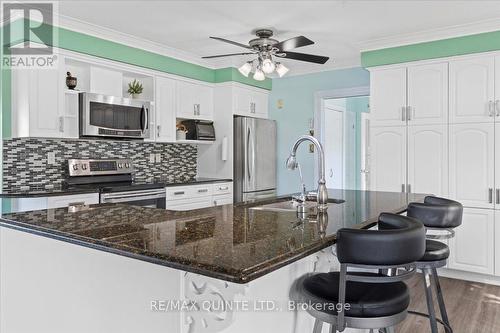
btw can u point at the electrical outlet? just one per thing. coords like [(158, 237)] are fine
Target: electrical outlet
[(158, 158), (151, 158), (51, 158)]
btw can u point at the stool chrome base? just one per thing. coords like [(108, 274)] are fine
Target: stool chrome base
[(429, 271)]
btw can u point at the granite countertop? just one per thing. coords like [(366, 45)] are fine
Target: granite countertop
[(56, 191), (232, 242)]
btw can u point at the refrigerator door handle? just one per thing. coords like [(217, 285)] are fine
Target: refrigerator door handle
[(248, 154)]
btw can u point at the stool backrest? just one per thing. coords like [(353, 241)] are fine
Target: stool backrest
[(400, 240), (437, 212)]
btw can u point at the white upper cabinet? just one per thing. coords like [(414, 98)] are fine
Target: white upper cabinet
[(472, 93), (428, 94), (497, 89), (388, 158), (388, 97), (165, 109), (194, 101), (473, 248), (428, 159), (248, 102), (472, 164), (37, 99)]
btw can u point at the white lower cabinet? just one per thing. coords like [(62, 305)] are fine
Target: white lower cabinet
[(29, 204), (388, 158), (199, 196), (497, 242), (473, 247)]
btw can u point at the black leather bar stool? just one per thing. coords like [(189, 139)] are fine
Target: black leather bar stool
[(366, 300), (441, 215)]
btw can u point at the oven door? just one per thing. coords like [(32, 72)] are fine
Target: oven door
[(145, 198), (111, 116)]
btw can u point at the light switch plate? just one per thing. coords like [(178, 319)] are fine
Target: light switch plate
[(151, 158), (51, 158), (158, 158)]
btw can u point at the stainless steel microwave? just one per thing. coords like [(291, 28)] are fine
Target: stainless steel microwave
[(110, 116)]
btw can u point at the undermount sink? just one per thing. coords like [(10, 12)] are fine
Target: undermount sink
[(287, 205)]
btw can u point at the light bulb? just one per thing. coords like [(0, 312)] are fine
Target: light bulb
[(245, 68), (259, 75), (268, 66), (281, 69)]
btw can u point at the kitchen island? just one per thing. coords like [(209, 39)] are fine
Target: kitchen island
[(117, 268)]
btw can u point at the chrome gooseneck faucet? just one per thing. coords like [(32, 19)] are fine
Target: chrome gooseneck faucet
[(292, 164)]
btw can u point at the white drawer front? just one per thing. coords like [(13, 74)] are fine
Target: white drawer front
[(187, 192), (70, 200), (219, 200), (189, 204), (222, 188)]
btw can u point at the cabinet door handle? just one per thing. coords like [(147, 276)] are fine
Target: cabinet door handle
[(490, 195), (409, 188), (203, 190), (403, 113), (403, 188), (61, 124), (179, 193), (498, 196), (223, 188), (76, 204), (497, 107), (158, 127), (491, 107)]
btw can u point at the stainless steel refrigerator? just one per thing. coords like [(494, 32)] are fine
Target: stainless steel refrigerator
[(254, 159)]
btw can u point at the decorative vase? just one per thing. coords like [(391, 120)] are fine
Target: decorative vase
[(70, 81), (181, 135)]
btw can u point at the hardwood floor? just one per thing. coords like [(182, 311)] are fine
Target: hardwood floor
[(472, 307)]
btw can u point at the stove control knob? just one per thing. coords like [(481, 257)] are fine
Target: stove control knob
[(84, 166), (127, 165), (120, 166), (75, 166)]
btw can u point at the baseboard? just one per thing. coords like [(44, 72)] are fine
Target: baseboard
[(469, 276)]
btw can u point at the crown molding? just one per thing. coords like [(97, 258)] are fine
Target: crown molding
[(431, 35), (77, 25)]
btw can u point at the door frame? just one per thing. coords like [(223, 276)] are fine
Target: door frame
[(319, 104)]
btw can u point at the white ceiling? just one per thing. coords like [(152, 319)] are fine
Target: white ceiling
[(340, 28)]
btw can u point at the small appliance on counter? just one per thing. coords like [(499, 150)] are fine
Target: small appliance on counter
[(199, 130), (113, 179), (115, 117)]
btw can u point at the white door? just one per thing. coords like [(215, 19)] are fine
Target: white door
[(365, 151), (45, 104), (472, 164), (428, 94), (333, 134), (388, 158), (428, 159), (388, 97), (260, 100), (472, 91), (165, 109), (472, 248)]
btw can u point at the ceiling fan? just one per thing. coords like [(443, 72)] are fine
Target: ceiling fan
[(268, 50)]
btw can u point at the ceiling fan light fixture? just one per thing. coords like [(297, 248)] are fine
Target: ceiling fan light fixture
[(281, 69), (259, 75), (268, 66), (246, 68)]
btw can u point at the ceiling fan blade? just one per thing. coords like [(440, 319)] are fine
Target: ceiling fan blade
[(303, 57), (227, 55), (231, 42), (293, 43)]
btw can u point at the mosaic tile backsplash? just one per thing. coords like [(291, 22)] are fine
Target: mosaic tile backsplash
[(25, 160)]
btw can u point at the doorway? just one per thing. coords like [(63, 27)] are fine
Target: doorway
[(341, 125)]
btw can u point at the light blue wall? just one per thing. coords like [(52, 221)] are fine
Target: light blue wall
[(297, 94)]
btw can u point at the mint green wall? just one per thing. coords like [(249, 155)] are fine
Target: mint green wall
[(297, 93), (484, 42)]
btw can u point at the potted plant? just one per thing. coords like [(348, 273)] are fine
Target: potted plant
[(181, 132), (135, 88)]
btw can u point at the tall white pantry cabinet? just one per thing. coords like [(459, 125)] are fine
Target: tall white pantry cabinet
[(435, 128)]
